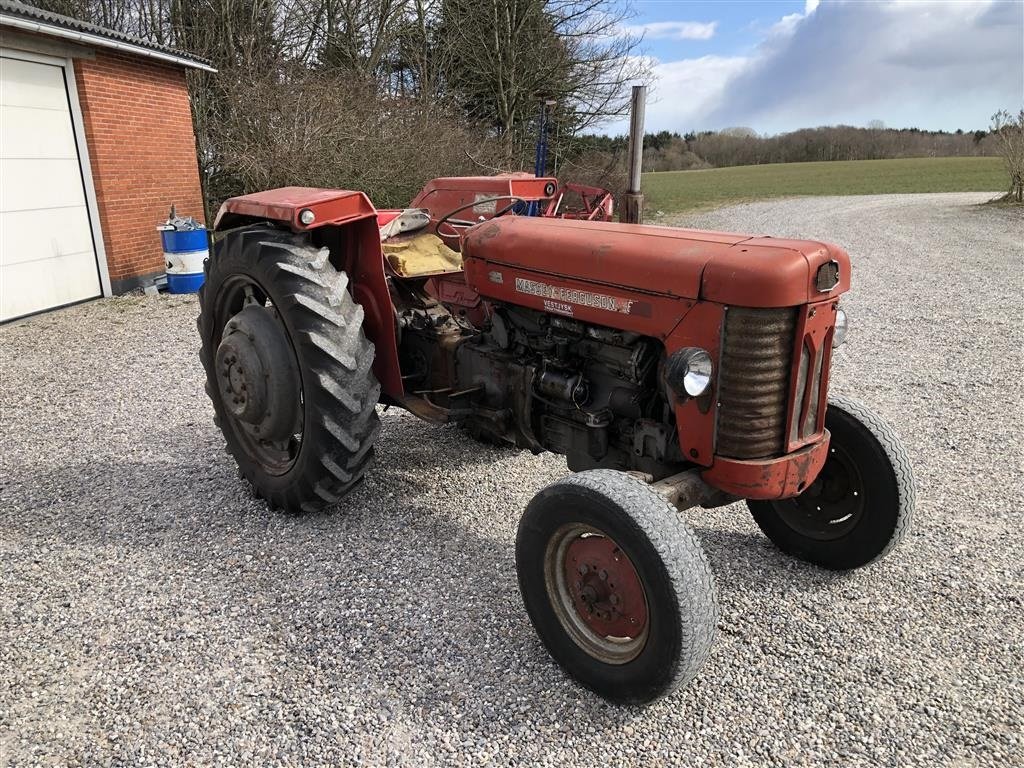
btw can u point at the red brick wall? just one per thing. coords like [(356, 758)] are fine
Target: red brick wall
[(143, 156)]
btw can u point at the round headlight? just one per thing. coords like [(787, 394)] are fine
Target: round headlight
[(689, 371), (842, 326), (306, 216)]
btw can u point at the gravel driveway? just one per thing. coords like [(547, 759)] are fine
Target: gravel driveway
[(152, 612)]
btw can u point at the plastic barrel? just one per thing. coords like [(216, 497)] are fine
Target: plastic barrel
[(184, 254)]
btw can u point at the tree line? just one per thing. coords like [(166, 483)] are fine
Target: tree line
[(670, 151)]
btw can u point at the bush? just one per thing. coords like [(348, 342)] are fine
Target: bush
[(1008, 134), (318, 131)]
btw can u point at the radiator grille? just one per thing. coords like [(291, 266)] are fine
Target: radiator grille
[(753, 383)]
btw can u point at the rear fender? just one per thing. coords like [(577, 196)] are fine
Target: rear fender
[(346, 223), (287, 204)]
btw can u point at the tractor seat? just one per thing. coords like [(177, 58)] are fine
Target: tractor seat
[(420, 255)]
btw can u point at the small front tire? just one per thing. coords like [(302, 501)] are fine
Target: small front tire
[(861, 504), (616, 585)]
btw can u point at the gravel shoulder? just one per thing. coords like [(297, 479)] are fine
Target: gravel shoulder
[(153, 613)]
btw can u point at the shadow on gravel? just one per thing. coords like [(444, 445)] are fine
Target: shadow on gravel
[(749, 561), (393, 600), (386, 602)]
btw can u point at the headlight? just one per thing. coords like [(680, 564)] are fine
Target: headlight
[(842, 326), (689, 371)]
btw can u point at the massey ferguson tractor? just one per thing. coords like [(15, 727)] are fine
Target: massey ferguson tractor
[(673, 368)]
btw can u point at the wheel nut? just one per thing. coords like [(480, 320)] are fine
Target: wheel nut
[(603, 575), (584, 569), (614, 600)]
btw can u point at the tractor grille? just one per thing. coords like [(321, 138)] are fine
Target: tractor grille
[(753, 384)]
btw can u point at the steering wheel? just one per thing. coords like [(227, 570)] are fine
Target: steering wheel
[(454, 223)]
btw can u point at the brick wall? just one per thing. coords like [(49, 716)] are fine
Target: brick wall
[(143, 155)]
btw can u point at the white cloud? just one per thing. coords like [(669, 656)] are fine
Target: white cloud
[(674, 30), (926, 64), (683, 92), (788, 23)]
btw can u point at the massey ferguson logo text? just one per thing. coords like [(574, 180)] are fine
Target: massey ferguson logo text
[(572, 296)]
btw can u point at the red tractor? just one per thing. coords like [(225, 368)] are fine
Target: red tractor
[(672, 368)]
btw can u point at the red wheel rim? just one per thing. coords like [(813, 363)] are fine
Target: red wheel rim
[(605, 587), (596, 593)]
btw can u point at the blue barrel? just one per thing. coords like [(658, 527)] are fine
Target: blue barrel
[(184, 253)]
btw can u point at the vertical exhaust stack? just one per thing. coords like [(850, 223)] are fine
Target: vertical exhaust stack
[(633, 202)]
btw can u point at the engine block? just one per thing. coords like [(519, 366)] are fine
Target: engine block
[(589, 392)]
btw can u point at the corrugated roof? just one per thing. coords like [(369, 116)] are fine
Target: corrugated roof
[(21, 16)]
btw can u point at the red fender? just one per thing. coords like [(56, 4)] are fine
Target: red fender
[(347, 223)]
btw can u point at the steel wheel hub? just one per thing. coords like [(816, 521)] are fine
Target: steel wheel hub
[(605, 588), (242, 378), (256, 373), (832, 505), (596, 593)]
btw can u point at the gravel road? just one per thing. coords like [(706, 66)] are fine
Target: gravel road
[(153, 613)]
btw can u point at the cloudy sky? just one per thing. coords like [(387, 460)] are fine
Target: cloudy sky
[(779, 65)]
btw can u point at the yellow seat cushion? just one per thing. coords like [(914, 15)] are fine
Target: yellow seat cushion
[(421, 255)]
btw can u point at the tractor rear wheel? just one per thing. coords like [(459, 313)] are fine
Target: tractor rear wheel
[(288, 367), (616, 585), (861, 504)]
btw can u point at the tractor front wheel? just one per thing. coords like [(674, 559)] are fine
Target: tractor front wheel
[(861, 504), (616, 585), (288, 367)]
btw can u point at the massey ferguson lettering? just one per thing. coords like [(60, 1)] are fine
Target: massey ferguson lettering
[(573, 296)]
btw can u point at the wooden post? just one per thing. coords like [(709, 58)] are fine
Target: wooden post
[(633, 201)]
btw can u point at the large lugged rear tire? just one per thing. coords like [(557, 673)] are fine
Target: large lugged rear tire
[(860, 506), (288, 367), (616, 585)]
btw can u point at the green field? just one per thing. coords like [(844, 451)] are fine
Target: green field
[(674, 191)]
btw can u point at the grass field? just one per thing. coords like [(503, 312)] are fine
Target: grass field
[(674, 191)]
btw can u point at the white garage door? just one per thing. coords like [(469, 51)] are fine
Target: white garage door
[(47, 258)]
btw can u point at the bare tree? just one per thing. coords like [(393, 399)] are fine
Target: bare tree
[(505, 56), (311, 91), (1008, 130)]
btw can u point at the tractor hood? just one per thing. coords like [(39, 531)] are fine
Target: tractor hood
[(728, 268)]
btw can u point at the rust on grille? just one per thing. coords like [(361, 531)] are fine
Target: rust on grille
[(753, 383)]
